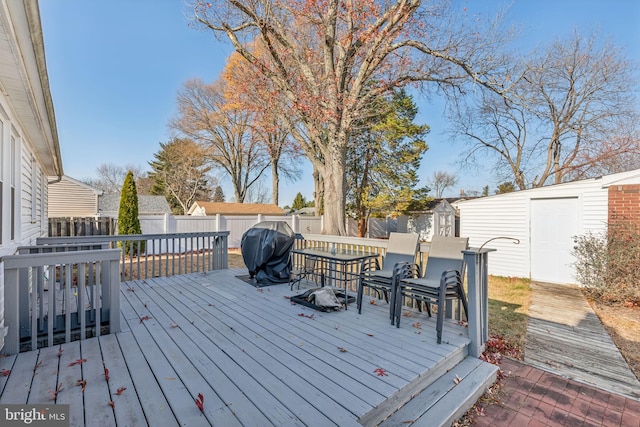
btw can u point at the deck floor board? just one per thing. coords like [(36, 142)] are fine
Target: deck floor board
[(256, 358)]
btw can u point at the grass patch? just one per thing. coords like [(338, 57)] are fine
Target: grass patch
[(509, 300), (236, 260)]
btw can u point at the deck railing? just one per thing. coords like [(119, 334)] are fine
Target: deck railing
[(354, 243), (152, 255), (57, 294)]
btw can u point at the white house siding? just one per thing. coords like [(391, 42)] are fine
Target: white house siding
[(70, 198), (510, 215), (499, 216)]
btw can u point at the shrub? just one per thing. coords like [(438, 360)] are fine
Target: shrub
[(608, 264), (128, 221)]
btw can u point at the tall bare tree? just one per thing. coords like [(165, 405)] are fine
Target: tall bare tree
[(111, 176), (206, 117), (571, 114), (440, 181), (247, 89), (323, 57)]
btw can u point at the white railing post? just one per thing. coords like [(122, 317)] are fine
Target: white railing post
[(260, 218), (114, 294), (478, 298), (11, 312), (295, 223), (218, 222)]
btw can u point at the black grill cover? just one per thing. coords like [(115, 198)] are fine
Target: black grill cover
[(265, 250)]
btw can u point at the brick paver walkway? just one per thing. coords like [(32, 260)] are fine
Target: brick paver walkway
[(531, 397)]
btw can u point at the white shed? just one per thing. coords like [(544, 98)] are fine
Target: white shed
[(545, 220)]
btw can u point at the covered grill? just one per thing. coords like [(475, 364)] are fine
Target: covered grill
[(265, 250)]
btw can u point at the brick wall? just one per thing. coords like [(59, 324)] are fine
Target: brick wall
[(624, 206)]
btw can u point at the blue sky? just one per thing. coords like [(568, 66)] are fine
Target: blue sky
[(115, 68)]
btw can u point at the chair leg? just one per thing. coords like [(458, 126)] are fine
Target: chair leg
[(359, 297), (441, 309), (397, 310)]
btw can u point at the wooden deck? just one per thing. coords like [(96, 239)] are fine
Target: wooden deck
[(564, 336), (257, 360)]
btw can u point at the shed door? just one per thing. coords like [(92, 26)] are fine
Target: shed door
[(554, 223)]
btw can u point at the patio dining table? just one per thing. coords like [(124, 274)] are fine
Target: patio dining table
[(339, 266)]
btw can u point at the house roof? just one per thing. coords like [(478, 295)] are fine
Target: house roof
[(305, 211), (79, 183), (109, 204), (24, 79), (224, 208)]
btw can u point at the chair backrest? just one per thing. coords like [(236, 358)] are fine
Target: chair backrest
[(445, 253), (402, 247)]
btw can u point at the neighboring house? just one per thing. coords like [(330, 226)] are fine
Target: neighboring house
[(109, 205), (72, 198), (29, 149), (438, 219), (309, 211), (546, 220), (223, 208)]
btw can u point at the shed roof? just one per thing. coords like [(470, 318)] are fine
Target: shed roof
[(225, 208), (109, 204)]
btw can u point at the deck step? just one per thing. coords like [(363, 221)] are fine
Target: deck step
[(448, 398)]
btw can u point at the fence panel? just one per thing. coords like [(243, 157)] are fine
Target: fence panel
[(82, 226)]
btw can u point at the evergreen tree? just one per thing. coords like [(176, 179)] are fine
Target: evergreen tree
[(181, 173), (383, 158), (218, 194), (128, 221), (506, 187), (298, 202)]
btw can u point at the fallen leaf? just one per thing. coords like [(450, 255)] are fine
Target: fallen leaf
[(106, 375), (82, 383), (369, 335), (78, 362), (37, 365), (110, 403), (174, 325), (309, 316), (143, 318), (417, 325), (457, 380), (120, 391), (342, 349), (381, 372), (60, 350), (5, 372), (200, 402), (53, 394), (372, 302)]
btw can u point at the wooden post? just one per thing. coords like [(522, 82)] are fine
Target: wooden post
[(477, 283)]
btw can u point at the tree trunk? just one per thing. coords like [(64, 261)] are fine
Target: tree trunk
[(362, 226), (334, 177), (275, 182), (318, 193)]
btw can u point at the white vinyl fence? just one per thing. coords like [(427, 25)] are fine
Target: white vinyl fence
[(237, 225)]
